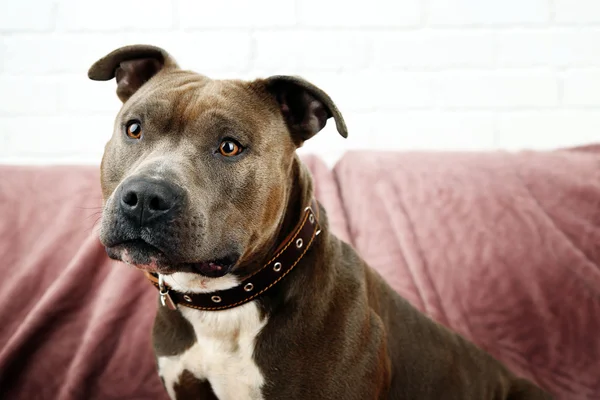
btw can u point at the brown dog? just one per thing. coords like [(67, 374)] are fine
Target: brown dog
[(203, 190)]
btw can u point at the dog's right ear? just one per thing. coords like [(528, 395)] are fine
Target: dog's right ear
[(132, 66)]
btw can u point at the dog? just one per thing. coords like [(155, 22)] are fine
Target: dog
[(257, 299)]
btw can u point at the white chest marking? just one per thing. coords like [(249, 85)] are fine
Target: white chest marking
[(223, 351)]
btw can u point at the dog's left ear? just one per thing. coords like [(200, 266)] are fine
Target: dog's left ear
[(133, 66), (305, 107)]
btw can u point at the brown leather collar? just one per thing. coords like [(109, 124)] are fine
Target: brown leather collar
[(287, 255)]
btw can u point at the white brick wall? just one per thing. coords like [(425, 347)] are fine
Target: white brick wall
[(409, 74)]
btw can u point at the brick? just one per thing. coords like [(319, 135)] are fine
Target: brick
[(577, 11), (204, 52), (80, 95), (236, 13), (419, 130), (20, 15), (497, 89), (407, 130), (115, 15), (57, 135), (293, 52), (4, 147), (356, 14), (478, 12), (2, 54), (547, 129), (427, 49), (582, 87), (365, 91), (61, 53), (561, 47), (28, 95)]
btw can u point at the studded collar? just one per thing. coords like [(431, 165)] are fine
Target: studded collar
[(288, 254)]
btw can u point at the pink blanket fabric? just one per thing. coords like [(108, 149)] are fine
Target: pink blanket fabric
[(75, 324), (503, 248)]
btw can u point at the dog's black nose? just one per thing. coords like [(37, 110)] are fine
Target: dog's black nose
[(145, 201)]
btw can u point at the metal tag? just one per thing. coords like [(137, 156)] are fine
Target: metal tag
[(167, 301)]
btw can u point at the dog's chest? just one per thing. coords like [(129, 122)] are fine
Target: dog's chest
[(222, 354)]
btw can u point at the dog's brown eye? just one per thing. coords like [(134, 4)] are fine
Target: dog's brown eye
[(134, 130), (230, 148)]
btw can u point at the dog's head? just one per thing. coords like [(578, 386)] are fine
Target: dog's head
[(197, 175)]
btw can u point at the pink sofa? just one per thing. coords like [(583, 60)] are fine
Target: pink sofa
[(503, 248)]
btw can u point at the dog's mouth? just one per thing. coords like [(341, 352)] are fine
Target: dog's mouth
[(147, 257)]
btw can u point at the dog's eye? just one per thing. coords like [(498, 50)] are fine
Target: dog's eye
[(230, 148), (134, 129)]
